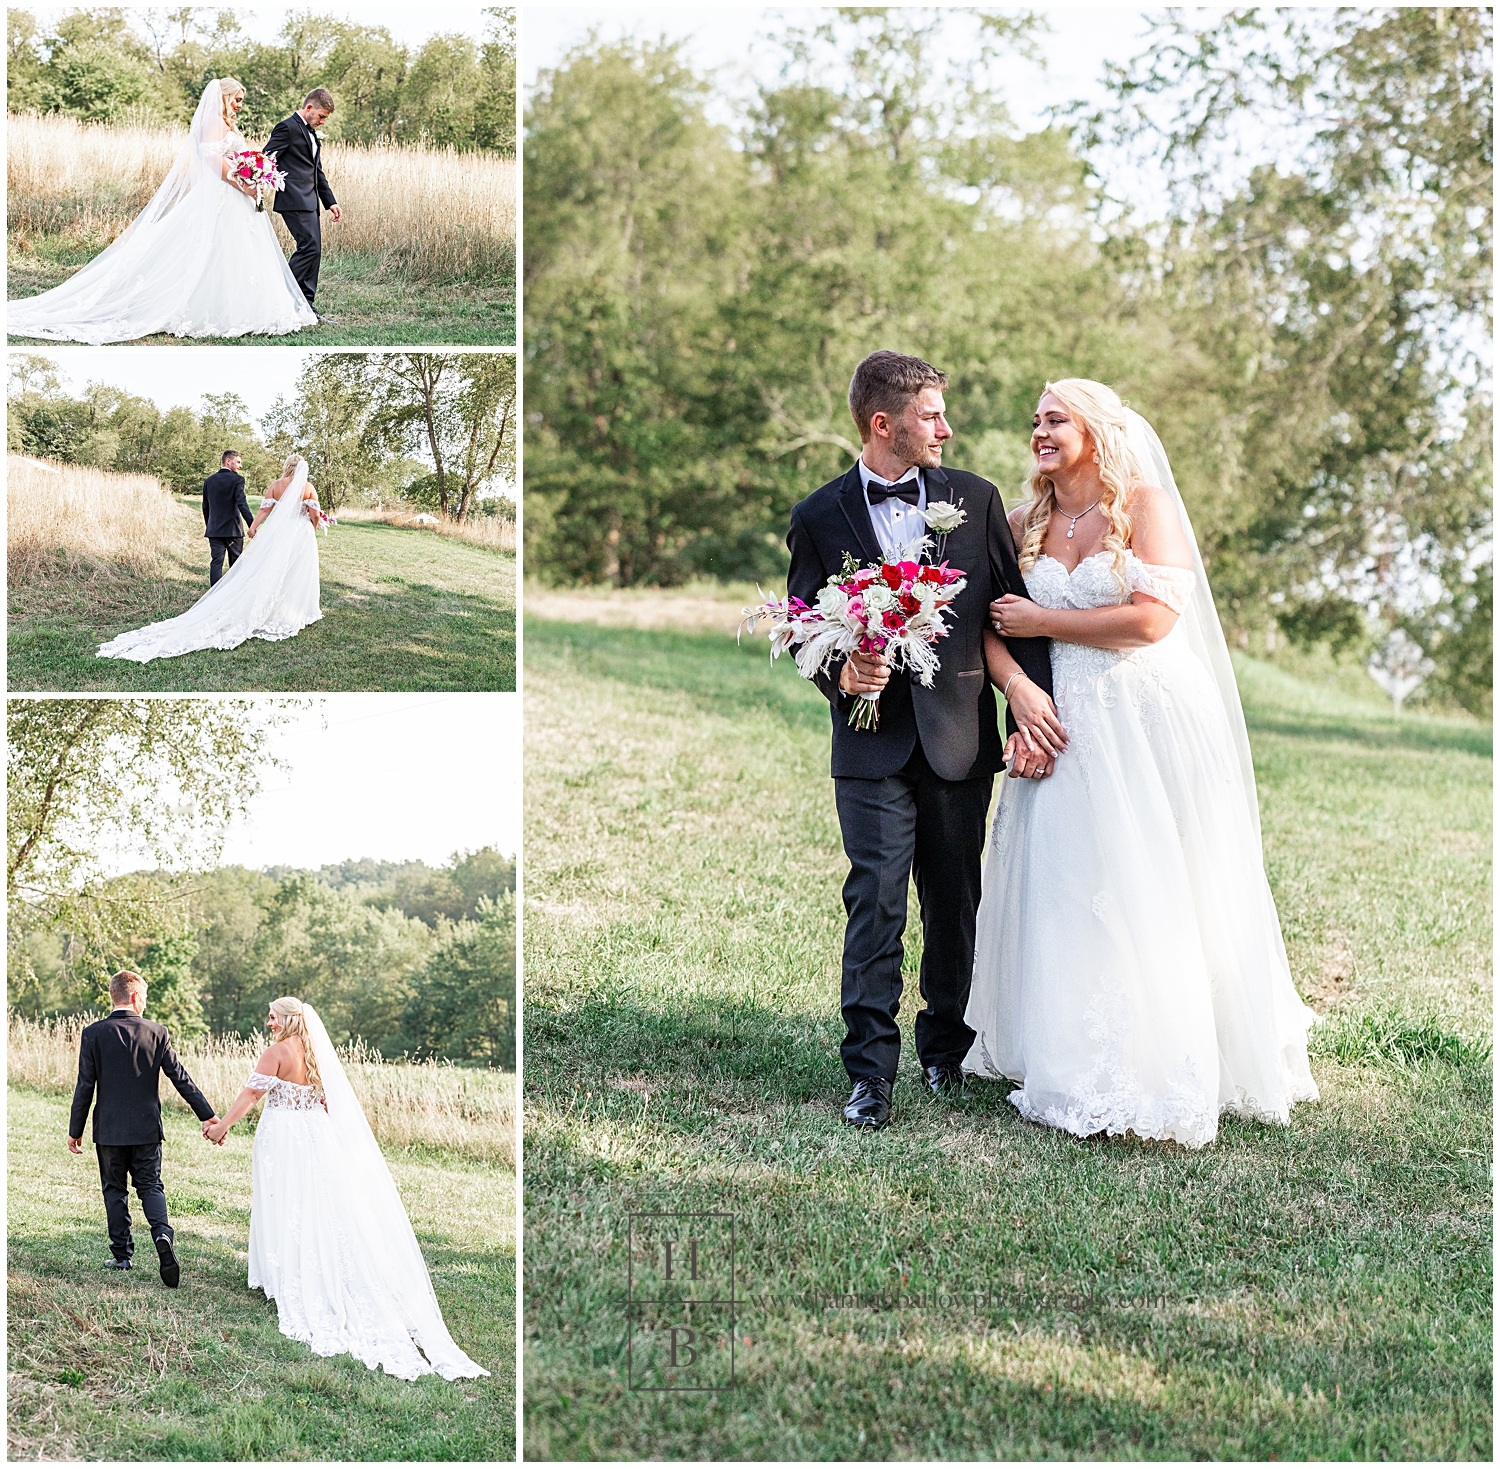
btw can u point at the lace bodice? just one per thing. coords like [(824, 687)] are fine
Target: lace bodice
[(281, 1094), (1092, 583), (1089, 684)]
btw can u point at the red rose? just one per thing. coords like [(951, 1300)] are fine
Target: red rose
[(892, 577)]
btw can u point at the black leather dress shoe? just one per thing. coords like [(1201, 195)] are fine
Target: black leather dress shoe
[(171, 1271), (945, 1081), (113, 1264), (869, 1104)]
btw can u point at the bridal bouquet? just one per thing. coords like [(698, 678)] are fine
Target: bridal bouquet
[(894, 607), (260, 171)]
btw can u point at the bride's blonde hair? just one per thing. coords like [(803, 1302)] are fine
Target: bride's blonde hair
[(294, 1026), (1100, 413), (293, 460), (229, 88)]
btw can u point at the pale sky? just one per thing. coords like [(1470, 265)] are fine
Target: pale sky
[(391, 776), (172, 378), (729, 39), (409, 25), (394, 777)]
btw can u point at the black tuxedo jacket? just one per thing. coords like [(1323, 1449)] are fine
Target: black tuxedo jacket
[(956, 717), (300, 158), (122, 1056), (223, 505)]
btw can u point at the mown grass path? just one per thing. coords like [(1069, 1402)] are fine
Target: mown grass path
[(403, 610), (1316, 1291), (369, 307), (104, 1366)]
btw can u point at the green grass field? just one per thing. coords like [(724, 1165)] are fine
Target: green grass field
[(373, 307), (111, 1367), (403, 610), (1318, 1291)]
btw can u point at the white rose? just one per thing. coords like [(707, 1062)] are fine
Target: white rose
[(944, 516)]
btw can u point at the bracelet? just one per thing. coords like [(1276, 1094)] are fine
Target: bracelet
[(1008, 682)]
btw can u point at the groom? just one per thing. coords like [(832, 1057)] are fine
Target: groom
[(121, 1057), (299, 155), (224, 505), (912, 795)]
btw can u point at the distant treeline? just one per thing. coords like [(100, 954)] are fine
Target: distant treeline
[(118, 65), (412, 959), (355, 417), (1307, 333)]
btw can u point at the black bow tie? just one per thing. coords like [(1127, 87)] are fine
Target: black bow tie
[(880, 491)]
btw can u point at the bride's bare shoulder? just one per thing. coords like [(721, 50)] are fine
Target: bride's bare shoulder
[(273, 1059)]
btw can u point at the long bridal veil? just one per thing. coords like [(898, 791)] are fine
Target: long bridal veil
[(1200, 618), (271, 592), (384, 1250), (131, 288)]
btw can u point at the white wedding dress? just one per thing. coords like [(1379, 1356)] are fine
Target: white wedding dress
[(1129, 967), (198, 261), (330, 1241), (271, 592)]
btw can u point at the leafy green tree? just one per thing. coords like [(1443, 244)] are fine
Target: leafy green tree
[(82, 774), (457, 407), (1336, 302), (166, 964), (463, 1005)]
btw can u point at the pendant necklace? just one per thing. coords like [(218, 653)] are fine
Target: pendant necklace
[(1074, 519)]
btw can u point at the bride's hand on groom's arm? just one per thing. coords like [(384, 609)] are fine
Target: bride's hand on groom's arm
[(1018, 617), (1037, 715)]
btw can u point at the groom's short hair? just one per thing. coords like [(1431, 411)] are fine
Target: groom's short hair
[(319, 97), (123, 985), (885, 382), (227, 455)]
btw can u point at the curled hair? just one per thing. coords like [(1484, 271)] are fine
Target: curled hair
[(1098, 411), (293, 460), (229, 88), (294, 1026)]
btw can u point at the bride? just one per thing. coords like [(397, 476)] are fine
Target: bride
[(271, 592), (1129, 968), (198, 261), (330, 1242)]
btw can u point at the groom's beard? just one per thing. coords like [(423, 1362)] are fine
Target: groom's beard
[(910, 450)]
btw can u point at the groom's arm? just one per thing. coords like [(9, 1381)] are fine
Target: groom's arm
[(241, 504), (83, 1092), (320, 180), (1033, 654), (281, 136), (805, 578), (187, 1088)]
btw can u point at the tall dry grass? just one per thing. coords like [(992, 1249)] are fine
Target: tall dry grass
[(68, 520), (490, 530), (424, 1104), (431, 214)]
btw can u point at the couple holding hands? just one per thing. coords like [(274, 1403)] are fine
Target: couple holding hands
[(330, 1241)]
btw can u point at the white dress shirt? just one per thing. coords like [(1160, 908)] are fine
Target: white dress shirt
[(899, 527)]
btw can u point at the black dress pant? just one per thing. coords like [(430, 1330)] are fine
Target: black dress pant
[(219, 548), (142, 1163), (306, 226), (911, 824)]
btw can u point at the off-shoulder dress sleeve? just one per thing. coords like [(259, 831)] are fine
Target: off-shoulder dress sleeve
[(258, 1082), (1172, 585)]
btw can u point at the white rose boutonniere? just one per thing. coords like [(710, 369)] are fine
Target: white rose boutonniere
[(944, 516)]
